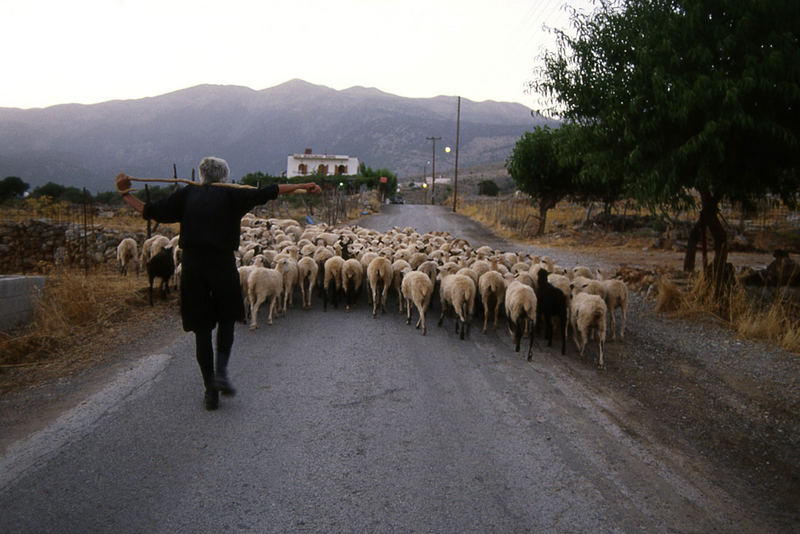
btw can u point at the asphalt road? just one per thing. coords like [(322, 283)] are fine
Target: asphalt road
[(345, 423)]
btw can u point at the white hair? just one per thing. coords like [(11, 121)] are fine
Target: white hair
[(213, 169)]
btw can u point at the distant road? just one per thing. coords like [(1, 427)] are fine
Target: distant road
[(345, 423)]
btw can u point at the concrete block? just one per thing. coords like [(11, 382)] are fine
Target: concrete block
[(17, 297)]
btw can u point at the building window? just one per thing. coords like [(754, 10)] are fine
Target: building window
[(323, 170), (302, 168), (341, 169)]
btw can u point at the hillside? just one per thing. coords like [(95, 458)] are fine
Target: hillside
[(86, 145)]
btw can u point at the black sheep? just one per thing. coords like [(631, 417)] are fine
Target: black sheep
[(551, 302), (161, 266)]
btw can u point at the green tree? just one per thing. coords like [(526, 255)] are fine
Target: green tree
[(488, 188), (695, 100), (258, 179), (373, 179), (49, 189), (599, 176), (537, 169), (12, 187)]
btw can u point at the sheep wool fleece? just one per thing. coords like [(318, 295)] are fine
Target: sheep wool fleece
[(210, 219)]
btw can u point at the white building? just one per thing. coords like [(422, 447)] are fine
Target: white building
[(321, 164)]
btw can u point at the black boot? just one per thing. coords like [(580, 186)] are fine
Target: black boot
[(221, 382), (211, 399)]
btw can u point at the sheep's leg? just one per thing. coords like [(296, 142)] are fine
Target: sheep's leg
[(422, 311), (600, 362), (441, 317), (530, 342), (576, 340), (486, 316), (408, 311), (375, 302), (272, 301), (624, 308), (303, 293), (399, 301), (518, 328), (246, 300), (151, 291), (548, 329), (563, 324), (613, 323), (384, 297), (254, 306)]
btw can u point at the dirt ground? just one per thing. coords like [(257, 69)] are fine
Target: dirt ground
[(691, 381)]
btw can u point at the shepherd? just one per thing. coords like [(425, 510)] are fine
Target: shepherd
[(210, 219)]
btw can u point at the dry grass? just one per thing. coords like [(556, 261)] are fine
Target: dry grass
[(82, 321), (70, 304), (774, 319), (670, 298)]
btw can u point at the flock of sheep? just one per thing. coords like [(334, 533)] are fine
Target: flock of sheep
[(277, 255)]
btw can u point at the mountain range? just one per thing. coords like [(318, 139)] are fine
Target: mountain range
[(87, 145)]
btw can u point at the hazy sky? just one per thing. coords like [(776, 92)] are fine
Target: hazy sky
[(88, 51)]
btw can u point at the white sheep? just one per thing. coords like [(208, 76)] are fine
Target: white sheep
[(332, 283), (244, 275), (588, 317), (520, 304), (492, 290), (152, 246), (289, 271), (379, 277), (307, 277), (580, 270), (581, 284), (398, 266), (431, 268), (352, 278), (263, 284), (417, 288), (458, 291), (127, 252), (616, 296)]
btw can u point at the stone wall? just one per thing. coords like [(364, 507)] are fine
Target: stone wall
[(35, 245)]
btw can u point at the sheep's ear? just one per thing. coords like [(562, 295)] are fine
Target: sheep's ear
[(571, 287)]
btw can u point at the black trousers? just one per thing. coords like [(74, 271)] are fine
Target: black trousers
[(205, 352)]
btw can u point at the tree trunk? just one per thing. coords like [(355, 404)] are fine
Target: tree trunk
[(542, 218), (691, 246), (589, 207), (709, 219)]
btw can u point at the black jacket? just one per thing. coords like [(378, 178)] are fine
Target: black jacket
[(210, 218)]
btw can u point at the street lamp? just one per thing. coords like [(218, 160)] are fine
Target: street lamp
[(425, 188)]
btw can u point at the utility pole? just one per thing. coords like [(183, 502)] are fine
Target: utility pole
[(455, 172), (433, 169)]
